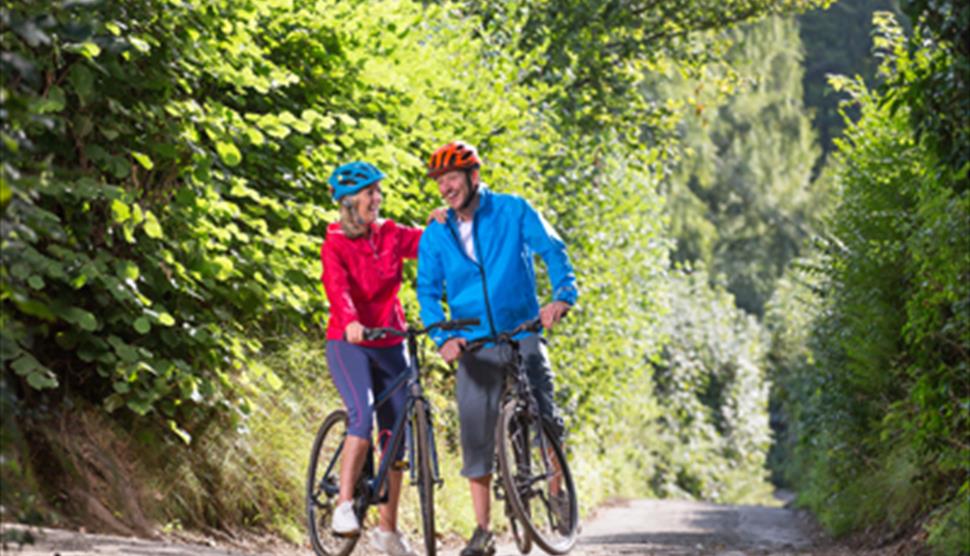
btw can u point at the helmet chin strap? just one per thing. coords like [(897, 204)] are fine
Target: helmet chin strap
[(472, 191)]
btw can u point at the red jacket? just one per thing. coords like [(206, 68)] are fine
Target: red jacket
[(362, 277)]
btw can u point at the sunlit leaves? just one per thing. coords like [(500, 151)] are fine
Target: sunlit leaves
[(89, 50), (143, 159), (229, 153)]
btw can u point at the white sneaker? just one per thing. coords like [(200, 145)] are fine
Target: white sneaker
[(344, 520), (391, 542)]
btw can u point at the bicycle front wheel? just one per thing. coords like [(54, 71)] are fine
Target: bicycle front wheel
[(537, 480), (425, 473), (323, 486)]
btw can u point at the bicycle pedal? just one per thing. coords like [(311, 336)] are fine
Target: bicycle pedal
[(351, 535)]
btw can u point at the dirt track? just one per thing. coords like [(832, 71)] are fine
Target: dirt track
[(640, 527)]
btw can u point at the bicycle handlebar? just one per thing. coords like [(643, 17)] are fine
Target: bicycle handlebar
[(457, 324), (532, 325)]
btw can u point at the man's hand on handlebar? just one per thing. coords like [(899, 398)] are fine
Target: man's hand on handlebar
[(452, 349), (552, 313)]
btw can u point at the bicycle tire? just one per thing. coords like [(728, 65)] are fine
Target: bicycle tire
[(527, 460), (321, 488), (425, 474), (523, 539)]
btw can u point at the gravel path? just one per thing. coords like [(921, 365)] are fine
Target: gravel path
[(639, 527)]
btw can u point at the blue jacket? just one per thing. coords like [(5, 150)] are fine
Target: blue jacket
[(501, 291)]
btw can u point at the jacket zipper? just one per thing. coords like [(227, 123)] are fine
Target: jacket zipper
[(481, 268)]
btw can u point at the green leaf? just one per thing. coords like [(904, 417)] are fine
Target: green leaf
[(42, 379), (228, 153), (142, 325), (119, 167), (139, 44), (152, 228), (165, 319), (119, 211), (36, 282), (141, 407), (54, 102), (25, 364), (87, 49), (88, 322), (80, 317), (180, 432), (273, 380), (127, 270), (255, 136), (83, 81), (79, 281), (5, 192), (33, 307), (143, 159)]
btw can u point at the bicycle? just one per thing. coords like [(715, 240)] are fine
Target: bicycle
[(323, 484), (536, 484)]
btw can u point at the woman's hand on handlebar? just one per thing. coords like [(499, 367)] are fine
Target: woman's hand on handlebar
[(354, 333), (552, 313), (452, 349)]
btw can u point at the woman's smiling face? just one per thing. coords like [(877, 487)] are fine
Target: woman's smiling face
[(368, 202)]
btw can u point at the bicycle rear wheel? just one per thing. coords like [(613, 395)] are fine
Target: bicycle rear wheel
[(425, 474), (538, 483), (323, 486)]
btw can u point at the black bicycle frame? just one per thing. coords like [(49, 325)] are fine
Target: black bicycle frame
[(400, 432)]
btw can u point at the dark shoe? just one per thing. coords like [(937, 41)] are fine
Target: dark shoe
[(482, 543)]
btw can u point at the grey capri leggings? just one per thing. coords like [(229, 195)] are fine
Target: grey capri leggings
[(479, 391)]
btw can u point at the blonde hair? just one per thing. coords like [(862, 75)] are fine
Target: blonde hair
[(350, 221)]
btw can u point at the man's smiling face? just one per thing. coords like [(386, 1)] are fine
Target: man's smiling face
[(454, 187)]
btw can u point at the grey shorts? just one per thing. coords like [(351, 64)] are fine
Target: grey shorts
[(479, 384)]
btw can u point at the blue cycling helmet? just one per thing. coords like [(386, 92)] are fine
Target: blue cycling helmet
[(352, 177)]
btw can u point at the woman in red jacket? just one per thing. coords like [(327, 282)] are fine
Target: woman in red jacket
[(362, 261)]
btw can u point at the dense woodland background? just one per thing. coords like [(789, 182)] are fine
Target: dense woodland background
[(766, 202)]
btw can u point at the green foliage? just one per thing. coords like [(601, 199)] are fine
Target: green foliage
[(742, 196), (595, 54), (838, 41), (934, 86), (879, 410), (714, 396), (165, 188), (137, 241)]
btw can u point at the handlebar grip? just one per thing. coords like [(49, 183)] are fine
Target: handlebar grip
[(373, 333), (461, 323)]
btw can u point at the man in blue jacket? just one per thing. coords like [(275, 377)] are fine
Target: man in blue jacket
[(481, 260)]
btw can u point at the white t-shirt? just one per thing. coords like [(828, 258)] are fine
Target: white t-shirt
[(467, 241)]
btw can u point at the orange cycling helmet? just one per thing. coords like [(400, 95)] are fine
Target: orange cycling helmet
[(453, 156)]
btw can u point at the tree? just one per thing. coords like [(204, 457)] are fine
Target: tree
[(743, 195), (838, 41), (877, 404)]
